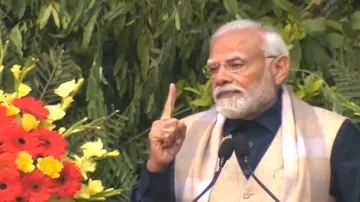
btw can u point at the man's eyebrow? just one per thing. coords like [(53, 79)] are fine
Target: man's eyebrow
[(231, 57), (235, 56), (210, 61)]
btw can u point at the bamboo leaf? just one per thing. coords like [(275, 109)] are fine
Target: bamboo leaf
[(19, 7), (231, 6), (16, 38), (355, 20), (193, 90), (284, 4), (177, 19), (150, 103), (200, 103), (90, 28), (55, 18), (44, 15), (313, 25)]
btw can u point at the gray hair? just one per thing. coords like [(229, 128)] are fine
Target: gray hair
[(273, 43)]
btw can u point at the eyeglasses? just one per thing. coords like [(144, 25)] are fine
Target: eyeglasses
[(236, 64)]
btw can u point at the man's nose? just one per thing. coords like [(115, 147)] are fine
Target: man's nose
[(222, 77)]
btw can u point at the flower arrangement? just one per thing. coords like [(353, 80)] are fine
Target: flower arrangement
[(35, 165)]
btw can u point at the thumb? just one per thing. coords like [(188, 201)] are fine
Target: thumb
[(182, 131)]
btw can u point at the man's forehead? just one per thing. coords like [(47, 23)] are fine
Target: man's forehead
[(227, 56), (237, 43)]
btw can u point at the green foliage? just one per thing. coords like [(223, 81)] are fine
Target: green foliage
[(129, 51)]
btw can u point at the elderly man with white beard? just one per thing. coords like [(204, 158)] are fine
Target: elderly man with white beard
[(300, 152)]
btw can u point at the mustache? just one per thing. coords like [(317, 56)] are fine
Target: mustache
[(226, 88)]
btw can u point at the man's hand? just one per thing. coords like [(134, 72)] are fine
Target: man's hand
[(166, 136)]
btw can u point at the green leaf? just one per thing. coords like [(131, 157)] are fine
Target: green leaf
[(313, 25), (44, 15), (177, 19), (335, 40), (150, 103), (19, 7), (56, 18), (88, 32), (355, 20), (317, 2), (278, 11), (16, 39), (300, 93), (295, 55), (231, 6), (315, 56), (200, 103), (284, 4), (193, 90), (179, 87), (334, 24), (314, 86), (143, 52)]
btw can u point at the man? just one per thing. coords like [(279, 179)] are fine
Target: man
[(301, 153)]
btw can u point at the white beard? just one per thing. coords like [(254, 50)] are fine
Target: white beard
[(251, 101)]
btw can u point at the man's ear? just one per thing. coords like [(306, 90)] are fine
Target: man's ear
[(280, 68)]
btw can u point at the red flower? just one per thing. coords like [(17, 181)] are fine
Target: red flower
[(7, 161), (31, 106), (37, 187), (69, 181), (6, 121), (17, 139), (10, 185), (51, 143)]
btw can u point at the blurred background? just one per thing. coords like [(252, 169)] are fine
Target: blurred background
[(129, 51)]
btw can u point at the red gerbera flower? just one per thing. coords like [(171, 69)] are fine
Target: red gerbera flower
[(37, 187), (51, 143), (6, 121), (69, 181), (7, 161), (10, 185), (17, 139), (28, 105)]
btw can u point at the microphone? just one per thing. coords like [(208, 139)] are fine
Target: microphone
[(225, 151), (242, 150)]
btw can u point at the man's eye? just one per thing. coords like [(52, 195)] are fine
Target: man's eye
[(213, 69), (236, 65)]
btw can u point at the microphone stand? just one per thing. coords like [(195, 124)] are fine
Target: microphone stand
[(258, 181), (216, 175)]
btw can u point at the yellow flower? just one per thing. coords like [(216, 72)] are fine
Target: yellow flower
[(65, 102), (83, 192), (23, 90), (50, 166), (113, 153), (47, 123), (29, 122), (55, 112), (85, 165), (15, 69), (61, 130), (95, 187), (24, 162), (10, 109), (1, 68), (92, 149), (65, 89)]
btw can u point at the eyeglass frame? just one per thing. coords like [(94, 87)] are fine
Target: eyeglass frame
[(227, 65)]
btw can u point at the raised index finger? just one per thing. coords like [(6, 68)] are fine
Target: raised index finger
[(170, 103)]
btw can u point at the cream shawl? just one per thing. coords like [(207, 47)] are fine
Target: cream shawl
[(197, 160)]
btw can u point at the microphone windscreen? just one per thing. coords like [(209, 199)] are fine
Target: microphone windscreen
[(226, 148), (241, 146)]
